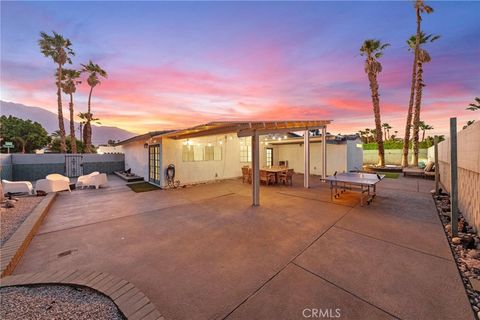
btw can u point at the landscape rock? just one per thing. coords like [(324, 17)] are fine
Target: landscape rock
[(456, 240)]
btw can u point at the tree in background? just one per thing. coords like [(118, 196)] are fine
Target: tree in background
[(373, 49), (420, 7), (94, 72), (70, 80), (423, 57), (386, 130), (472, 107), (27, 135), (83, 120), (424, 127), (55, 145), (58, 48)]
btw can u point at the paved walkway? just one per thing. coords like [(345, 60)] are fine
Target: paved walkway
[(204, 253)]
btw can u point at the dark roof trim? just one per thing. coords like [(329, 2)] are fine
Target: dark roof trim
[(144, 136)]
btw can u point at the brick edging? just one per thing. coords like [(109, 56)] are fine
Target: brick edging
[(131, 302), (12, 251)]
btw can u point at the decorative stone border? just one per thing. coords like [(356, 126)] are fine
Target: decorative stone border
[(12, 251), (133, 304)]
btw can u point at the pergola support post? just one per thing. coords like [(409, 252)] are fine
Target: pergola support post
[(324, 152), (256, 169), (306, 149)]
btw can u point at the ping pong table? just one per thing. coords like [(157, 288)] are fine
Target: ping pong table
[(365, 183)]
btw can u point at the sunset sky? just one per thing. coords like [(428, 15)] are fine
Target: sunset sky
[(177, 64)]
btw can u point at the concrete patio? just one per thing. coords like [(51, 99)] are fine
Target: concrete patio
[(204, 252)]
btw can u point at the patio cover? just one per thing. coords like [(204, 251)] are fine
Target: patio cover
[(254, 129), (246, 128)]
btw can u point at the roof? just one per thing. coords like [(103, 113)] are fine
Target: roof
[(246, 128), (241, 128), (144, 136)]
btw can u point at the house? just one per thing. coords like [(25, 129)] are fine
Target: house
[(218, 150)]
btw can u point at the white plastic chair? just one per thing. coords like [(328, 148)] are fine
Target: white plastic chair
[(17, 187)]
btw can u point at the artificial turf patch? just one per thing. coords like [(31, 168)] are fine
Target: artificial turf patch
[(142, 187), (390, 175)]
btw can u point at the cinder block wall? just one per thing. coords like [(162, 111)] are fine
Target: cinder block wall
[(468, 156), (6, 166), (32, 167), (392, 156)]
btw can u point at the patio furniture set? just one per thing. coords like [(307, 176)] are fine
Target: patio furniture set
[(55, 182), (270, 175)]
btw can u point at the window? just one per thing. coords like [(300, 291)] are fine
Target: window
[(209, 153), (245, 150), (269, 157), (199, 152)]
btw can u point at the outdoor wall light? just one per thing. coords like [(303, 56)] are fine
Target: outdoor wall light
[(145, 145)]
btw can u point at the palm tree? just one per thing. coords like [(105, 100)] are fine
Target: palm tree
[(423, 57), (475, 105), (472, 107), (373, 49), (386, 130), (58, 48), (69, 86), (420, 7), (83, 120), (367, 134), (424, 127), (94, 72)]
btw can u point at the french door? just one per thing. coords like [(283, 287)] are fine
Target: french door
[(154, 164)]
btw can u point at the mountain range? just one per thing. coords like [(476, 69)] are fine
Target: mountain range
[(49, 120)]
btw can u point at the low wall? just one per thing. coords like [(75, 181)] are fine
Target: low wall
[(392, 156), (468, 157), (32, 167)]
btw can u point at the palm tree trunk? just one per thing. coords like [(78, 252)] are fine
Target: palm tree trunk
[(73, 140), (423, 135), (87, 129), (408, 125), (416, 117), (61, 125), (378, 123)]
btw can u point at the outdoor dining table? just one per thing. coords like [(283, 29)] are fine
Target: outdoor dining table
[(275, 170)]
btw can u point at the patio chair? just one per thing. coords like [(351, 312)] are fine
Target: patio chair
[(53, 183), (286, 177), (266, 177), (94, 179), (246, 174), (17, 187)]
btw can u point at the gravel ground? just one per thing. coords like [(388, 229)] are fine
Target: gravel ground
[(12, 218), (57, 302)]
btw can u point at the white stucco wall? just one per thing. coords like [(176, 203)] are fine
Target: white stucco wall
[(336, 157), (136, 158), (354, 155), (189, 172)]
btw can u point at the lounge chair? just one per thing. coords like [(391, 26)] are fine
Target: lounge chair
[(94, 179), (53, 183), (428, 171), (17, 187)]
